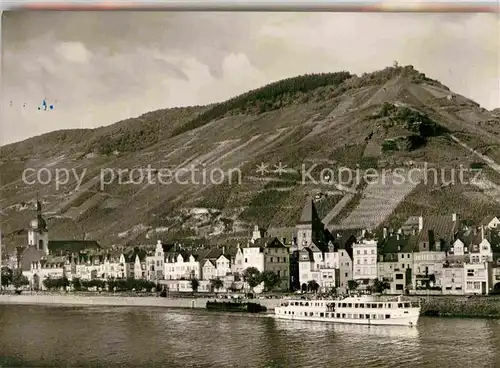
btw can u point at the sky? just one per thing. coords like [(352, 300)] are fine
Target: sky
[(98, 68)]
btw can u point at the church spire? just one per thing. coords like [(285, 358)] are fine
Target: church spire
[(38, 206)]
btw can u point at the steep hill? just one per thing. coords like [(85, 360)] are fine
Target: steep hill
[(393, 118)]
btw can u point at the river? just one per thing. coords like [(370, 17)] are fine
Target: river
[(52, 336)]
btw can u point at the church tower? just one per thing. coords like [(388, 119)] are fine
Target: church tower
[(310, 228), (38, 236)]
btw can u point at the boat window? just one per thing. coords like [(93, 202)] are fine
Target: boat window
[(327, 315), (349, 305), (400, 305), (338, 315), (311, 314), (307, 304), (374, 305), (355, 305), (349, 315), (321, 314), (389, 305), (301, 304), (368, 305), (367, 316), (361, 305), (374, 316), (407, 305), (387, 316), (381, 305), (293, 312), (361, 316)]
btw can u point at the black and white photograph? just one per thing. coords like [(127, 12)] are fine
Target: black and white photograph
[(220, 188)]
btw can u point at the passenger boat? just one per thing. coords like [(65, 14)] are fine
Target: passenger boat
[(366, 310)]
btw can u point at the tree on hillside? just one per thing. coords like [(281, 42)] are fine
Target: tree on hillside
[(313, 286), (6, 275), (195, 284), (251, 275), (270, 279), (76, 283), (352, 285), (216, 284), (18, 279), (379, 286)]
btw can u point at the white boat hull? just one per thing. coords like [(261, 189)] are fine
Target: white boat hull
[(395, 321), (363, 310)]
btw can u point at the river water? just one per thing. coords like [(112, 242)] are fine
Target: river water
[(53, 336)]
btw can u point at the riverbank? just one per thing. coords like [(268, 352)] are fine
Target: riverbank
[(443, 306), (129, 301), (459, 306)]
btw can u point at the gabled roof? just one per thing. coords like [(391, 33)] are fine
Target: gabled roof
[(268, 242), (485, 221), (344, 238), (314, 248), (306, 252)]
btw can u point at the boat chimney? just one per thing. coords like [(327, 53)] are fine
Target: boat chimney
[(420, 223), (385, 233)]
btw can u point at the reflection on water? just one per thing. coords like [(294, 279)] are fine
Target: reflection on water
[(48, 336), (380, 331)]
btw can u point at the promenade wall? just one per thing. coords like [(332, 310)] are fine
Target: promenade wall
[(94, 300), (460, 306)]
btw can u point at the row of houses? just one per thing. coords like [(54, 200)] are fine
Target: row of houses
[(435, 254)]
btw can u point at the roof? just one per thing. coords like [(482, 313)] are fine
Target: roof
[(345, 238), (309, 214), (395, 244), (486, 221), (469, 237), (410, 224), (442, 226), (268, 242), (71, 246)]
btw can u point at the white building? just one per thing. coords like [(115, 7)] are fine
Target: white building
[(476, 278), (155, 268), (365, 260), (182, 266)]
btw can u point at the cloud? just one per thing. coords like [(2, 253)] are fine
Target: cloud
[(102, 67), (74, 52)]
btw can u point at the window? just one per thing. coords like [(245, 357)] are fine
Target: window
[(402, 255), (365, 252), (387, 316), (399, 276), (407, 256), (358, 252), (470, 272), (246, 260)]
